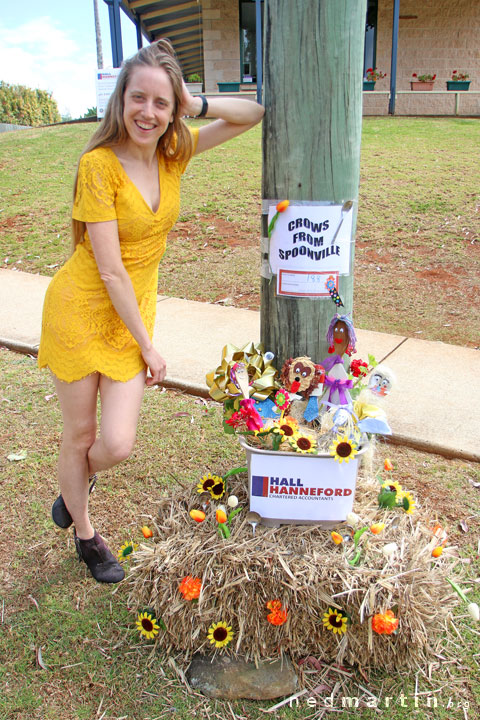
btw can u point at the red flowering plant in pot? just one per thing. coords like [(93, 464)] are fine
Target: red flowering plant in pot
[(371, 77), (422, 82), (459, 81)]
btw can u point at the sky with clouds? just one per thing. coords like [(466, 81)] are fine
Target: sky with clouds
[(51, 45)]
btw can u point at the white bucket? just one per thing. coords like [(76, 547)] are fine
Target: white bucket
[(291, 488)]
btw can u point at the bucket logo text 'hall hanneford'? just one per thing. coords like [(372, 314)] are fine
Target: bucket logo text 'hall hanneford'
[(265, 486)]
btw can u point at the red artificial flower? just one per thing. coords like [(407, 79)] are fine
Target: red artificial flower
[(414, 74), (250, 415), (384, 623), (190, 587), (234, 420), (358, 367), (278, 614)]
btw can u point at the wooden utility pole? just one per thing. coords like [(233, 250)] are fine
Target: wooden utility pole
[(313, 68), (98, 35)]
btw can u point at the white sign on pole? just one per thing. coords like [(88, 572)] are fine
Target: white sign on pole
[(308, 244), (106, 79)]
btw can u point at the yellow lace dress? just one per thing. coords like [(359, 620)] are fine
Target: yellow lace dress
[(81, 330)]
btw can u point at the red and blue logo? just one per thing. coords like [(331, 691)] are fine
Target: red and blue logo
[(260, 485)]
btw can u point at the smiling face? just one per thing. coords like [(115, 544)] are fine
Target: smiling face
[(149, 104), (340, 337)]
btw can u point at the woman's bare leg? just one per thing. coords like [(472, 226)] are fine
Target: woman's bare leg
[(121, 403), (78, 402)]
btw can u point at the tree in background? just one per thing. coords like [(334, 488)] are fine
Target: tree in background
[(23, 106), (91, 112)]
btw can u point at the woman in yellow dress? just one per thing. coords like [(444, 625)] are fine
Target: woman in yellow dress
[(99, 309)]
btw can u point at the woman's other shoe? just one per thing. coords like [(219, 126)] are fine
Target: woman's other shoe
[(60, 514), (99, 560)]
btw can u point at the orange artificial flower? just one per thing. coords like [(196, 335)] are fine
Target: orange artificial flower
[(190, 587), (197, 515), (387, 464), (278, 614), (337, 538), (221, 515), (283, 205), (436, 552), (384, 623), (377, 528), (147, 533)]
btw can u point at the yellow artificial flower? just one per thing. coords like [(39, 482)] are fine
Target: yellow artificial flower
[(303, 443), (342, 449), (336, 537), (147, 624), (220, 634), (392, 486), (127, 549), (207, 482), (407, 500), (335, 621), (286, 427)]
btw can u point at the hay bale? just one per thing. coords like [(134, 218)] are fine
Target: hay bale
[(307, 572)]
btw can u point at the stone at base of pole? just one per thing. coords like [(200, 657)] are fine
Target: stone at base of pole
[(232, 678)]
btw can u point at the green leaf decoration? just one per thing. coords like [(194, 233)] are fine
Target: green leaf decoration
[(387, 499), (272, 223), (372, 361), (358, 535), (235, 471), (458, 590), (233, 513)]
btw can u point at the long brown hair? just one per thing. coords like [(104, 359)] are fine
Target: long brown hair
[(175, 143)]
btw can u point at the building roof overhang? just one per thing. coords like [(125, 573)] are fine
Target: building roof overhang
[(178, 20)]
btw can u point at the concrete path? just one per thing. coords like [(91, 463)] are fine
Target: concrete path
[(435, 405)]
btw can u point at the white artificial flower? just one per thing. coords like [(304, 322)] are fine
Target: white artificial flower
[(389, 550)]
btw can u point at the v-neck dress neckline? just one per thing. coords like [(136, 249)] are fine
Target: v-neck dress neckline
[(157, 155)]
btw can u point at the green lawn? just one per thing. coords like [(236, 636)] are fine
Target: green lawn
[(68, 646), (417, 264)]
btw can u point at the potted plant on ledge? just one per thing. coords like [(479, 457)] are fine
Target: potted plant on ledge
[(194, 83), (371, 77), (422, 82), (459, 81)]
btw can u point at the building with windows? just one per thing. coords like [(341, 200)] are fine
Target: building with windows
[(218, 40)]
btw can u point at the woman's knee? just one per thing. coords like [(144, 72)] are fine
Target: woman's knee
[(120, 446), (80, 435)]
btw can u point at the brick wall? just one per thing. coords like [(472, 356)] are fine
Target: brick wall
[(444, 36), (221, 42)]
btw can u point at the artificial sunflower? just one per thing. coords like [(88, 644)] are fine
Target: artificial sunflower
[(218, 489), (286, 427), (392, 486), (335, 620), (190, 587), (343, 449), (220, 634), (303, 443), (207, 482), (406, 501), (147, 624), (127, 549)]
